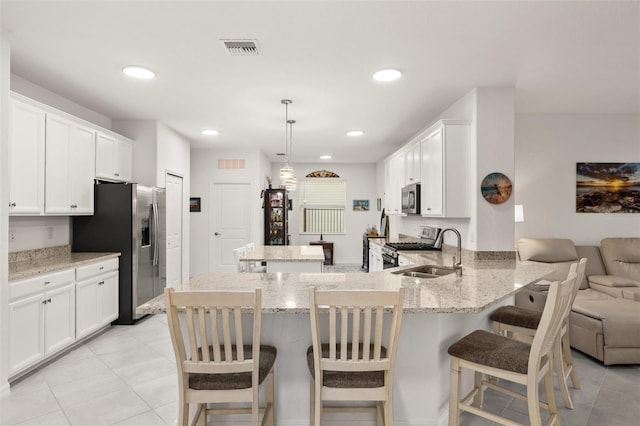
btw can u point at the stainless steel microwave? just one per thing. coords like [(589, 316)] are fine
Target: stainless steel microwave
[(411, 199)]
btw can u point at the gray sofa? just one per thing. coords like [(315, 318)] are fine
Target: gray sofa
[(605, 317)]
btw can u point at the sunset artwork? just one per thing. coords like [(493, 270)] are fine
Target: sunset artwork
[(608, 188)]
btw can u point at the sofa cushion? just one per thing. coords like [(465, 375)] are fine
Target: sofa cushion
[(549, 250), (621, 257), (613, 281), (594, 263), (620, 320)]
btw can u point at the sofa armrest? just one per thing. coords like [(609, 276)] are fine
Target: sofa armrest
[(613, 281)]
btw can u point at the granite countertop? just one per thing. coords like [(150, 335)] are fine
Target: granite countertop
[(28, 265), (482, 284), (285, 254)]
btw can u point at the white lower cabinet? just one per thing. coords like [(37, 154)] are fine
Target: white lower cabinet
[(96, 296), (49, 312), (376, 263), (41, 318)]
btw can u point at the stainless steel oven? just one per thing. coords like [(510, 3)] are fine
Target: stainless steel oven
[(388, 259), (411, 199)]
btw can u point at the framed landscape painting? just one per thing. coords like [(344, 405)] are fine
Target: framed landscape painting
[(608, 188)]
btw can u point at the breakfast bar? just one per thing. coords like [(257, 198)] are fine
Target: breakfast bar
[(438, 311), (287, 258)]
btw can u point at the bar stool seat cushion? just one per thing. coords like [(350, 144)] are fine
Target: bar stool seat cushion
[(347, 379), (517, 316), (492, 350), (235, 380)]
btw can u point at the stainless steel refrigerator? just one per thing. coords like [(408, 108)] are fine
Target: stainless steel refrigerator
[(130, 219)]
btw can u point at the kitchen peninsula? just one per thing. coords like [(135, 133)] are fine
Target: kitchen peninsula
[(287, 258), (438, 311)]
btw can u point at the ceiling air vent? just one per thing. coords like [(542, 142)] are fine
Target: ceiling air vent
[(242, 47)]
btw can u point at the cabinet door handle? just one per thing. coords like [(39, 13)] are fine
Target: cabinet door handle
[(101, 283), (47, 282), (116, 174), (49, 300), (101, 268), (12, 204), (217, 233), (74, 206), (44, 302), (428, 208)]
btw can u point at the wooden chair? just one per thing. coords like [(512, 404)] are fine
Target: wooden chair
[(521, 323), (354, 365), (214, 364), (254, 266), (490, 354), (237, 254)]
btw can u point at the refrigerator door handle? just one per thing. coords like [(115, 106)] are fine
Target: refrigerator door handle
[(156, 250)]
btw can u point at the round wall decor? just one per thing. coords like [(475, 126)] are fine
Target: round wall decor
[(496, 188)]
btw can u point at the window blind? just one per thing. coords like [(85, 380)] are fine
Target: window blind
[(322, 205)]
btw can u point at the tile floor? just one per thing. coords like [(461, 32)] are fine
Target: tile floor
[(126, 376)]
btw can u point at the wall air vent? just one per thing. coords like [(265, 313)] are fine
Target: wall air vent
[(242, 47), (232, 164)]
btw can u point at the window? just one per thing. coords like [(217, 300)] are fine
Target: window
[(322, 204)]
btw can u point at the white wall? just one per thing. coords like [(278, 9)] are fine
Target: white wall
[(548, 146), (144, 133), (4, 212), (204, 171), (174, 156), (47, 97), (361, 185), (490, 112), (158, 149), (39, 232)]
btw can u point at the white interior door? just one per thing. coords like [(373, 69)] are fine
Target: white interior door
[(174, 230), (230, 223)]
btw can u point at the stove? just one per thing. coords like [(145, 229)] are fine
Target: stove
[(428, 241)]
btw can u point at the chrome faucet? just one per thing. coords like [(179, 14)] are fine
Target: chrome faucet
[(456, 265)]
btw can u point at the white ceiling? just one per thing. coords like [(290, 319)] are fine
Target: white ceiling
[(562, 57)]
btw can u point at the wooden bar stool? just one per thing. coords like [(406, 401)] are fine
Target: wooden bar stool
[(354, 365), (214, 364), (489, 354), (521, 323)]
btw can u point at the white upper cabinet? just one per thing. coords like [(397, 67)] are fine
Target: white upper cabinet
[(393, 182), (445, 170), (70, 165), (412, 162), (26, 158), (113, 158)]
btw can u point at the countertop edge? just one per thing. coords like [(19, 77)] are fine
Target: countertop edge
[(28, 269)]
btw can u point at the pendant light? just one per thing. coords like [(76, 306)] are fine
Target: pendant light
[(287, 176), (291, 181)]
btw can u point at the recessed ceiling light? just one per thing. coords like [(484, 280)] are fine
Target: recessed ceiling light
[(355, 133), (387, 75), (210, 132), (325, 157), (138, 72)]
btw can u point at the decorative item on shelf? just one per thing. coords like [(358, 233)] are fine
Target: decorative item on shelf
[(287, 175), (496, 188), (608, 188), (194, 204), (268, 179)]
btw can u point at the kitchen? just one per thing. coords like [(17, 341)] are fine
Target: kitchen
[(549, 138)]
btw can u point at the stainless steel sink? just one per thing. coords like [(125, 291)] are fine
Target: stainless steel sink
[(426, 271)]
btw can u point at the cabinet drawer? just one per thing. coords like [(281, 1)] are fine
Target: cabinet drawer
[(42, 282), (87, 271)]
